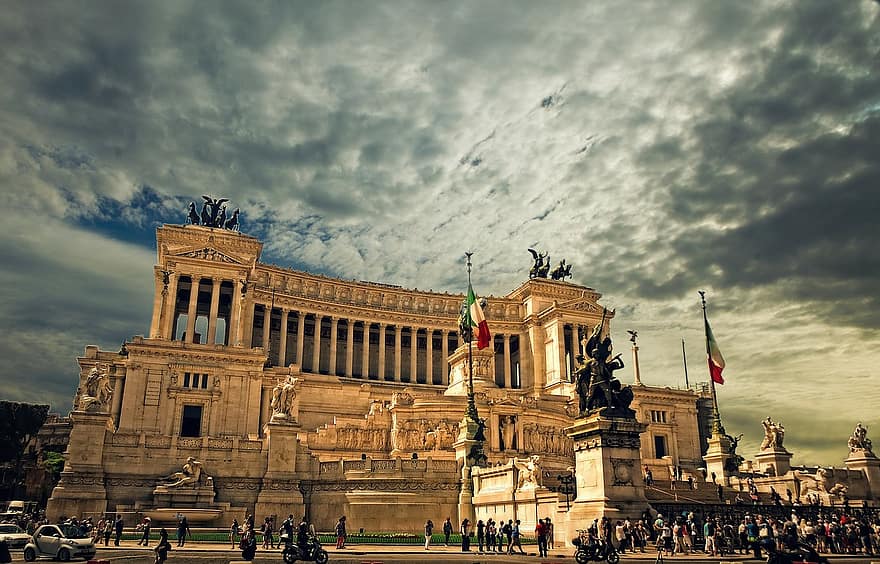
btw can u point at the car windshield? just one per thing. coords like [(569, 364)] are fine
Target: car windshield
[(7, 528), (71, 532)]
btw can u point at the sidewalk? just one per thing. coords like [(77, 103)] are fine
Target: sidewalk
[(381, 549)]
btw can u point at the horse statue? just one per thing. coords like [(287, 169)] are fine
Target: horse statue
[(232, 222), (193, 215), (561, 272)]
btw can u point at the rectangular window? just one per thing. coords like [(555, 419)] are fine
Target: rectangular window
[(191, 421), (659, 446), (204, 381), (186, 379), (658, 416)]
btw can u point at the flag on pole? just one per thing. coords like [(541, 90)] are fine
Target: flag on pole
[(477, 320), (716, 361)]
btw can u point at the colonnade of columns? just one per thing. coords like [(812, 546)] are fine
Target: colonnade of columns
[(173, 308), (372, 350)]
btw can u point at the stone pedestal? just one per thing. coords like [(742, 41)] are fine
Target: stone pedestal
[(607, 470), (81, 491), (865, 461), (280, 493), (459, 372), (774, 461), (717, 455)]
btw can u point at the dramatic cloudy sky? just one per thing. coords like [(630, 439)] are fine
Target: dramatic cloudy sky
[(660, 147)]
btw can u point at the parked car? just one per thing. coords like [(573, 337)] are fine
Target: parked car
[(59, 541), (14, 536)]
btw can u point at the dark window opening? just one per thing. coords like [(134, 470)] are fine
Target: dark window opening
[(191, 421)]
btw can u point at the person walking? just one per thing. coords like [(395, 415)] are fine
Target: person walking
[(145, 532), (163, 547), (549, 525), (541, 535), (491, 531), (119, 524), (429, 531), (340, 533), (507, 529), (466, 535), (182, 531), (447, 530), (108, 530), (481, 535), (266, 530), (515, 538), (234, 531)]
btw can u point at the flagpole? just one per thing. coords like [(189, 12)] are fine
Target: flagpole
[(717, 427), (472, 404), (684, 360)]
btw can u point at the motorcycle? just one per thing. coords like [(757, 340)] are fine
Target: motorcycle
[(313, 551), (595, 552), (800, 552)]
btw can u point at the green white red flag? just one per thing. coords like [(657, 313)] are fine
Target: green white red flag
[(716, 361), (477, 320)]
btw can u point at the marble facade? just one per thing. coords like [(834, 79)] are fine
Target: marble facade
[(378, 377)]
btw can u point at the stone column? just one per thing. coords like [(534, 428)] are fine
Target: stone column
[(167, 330), (267, 325), (413, 354), (535, 340), (334, 325), (233, 331), (316, 352), (444, 354), (159, 298), (638, 375), (508, 382), (365, 357), (429, 360), (349, 348), (864, 460), (282, 338), (212, 315), (381, 374), (191, 311), (300, 336), (247, 322), (573, 348), (397, 353)]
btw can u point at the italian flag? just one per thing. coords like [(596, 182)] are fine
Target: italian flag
[(716, 361), (477, 320)]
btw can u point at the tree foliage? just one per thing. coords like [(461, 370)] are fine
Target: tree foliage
[(19, 422)]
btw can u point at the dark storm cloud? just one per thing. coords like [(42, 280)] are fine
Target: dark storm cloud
[(784, 185), (725, 146)]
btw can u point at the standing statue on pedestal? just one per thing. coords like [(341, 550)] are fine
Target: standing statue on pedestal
[(282, 398), (859, 440), (597, 388), (96, 393), (774, 435)]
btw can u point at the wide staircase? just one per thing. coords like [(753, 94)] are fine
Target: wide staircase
[(666, 491)]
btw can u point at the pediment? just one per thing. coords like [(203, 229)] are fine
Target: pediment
[(582, 305), (210, 254)]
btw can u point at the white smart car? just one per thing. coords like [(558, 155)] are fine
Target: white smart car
[(14, 536), (59, 541)]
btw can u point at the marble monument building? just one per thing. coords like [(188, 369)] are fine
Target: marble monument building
[(272, 391)]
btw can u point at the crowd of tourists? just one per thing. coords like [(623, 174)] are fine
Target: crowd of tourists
[(856, 531)]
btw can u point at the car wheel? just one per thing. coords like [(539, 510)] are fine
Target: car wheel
[(64, 555), (30, 554)]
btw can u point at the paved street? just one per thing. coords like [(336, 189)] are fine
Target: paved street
[(212, 553)]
